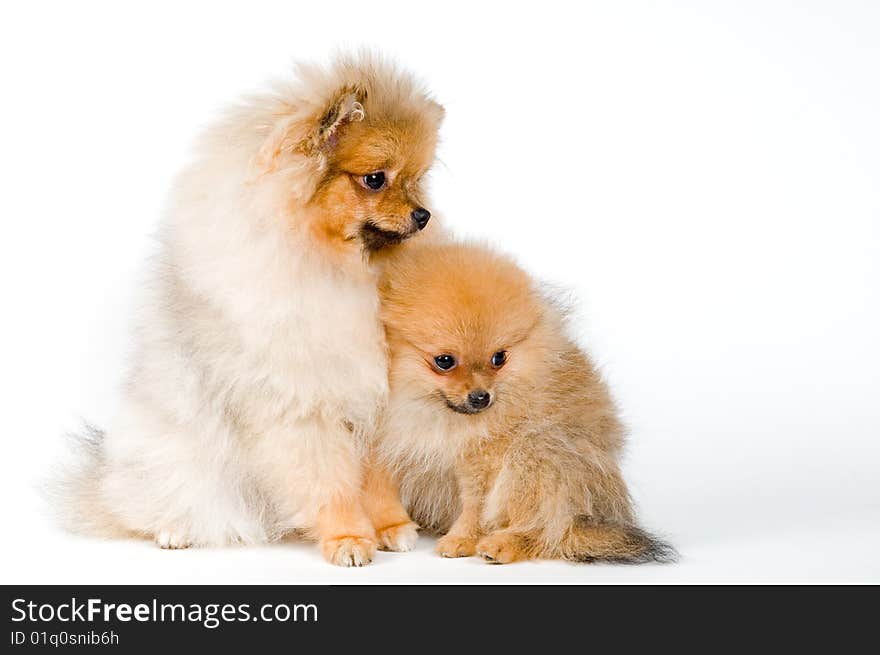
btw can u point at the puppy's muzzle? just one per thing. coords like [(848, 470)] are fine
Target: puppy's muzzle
[(375, 237), (420, 216), (476, 402)]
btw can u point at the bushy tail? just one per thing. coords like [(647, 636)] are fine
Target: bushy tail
[(589, 541), (74, 492)]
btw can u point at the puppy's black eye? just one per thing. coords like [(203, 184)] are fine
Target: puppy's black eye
[(444, 362), (499, 358), (374, 181)]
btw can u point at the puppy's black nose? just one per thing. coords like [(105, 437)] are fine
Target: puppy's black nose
[(421, 215), (479, 399)]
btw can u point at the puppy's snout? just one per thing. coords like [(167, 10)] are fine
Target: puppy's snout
[(479, 399), (421, 216)]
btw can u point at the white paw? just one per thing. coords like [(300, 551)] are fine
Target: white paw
[(399, 538), (171, 540)]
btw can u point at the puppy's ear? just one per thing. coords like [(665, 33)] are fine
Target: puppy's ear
[(346, 108), (314, 135)]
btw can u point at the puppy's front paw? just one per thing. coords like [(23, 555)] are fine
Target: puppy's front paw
[(398, 538), (349, 551), (168, 540), (456, 546), (503, 548)]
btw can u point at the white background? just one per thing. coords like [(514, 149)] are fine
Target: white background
[(704, 176)]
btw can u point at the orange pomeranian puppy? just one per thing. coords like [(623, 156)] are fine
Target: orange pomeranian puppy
[(499, 429)]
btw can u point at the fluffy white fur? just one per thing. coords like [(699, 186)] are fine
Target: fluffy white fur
[(260, 365)]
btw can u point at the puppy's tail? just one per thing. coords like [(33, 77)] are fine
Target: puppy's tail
[(73, 493), (590, 541)]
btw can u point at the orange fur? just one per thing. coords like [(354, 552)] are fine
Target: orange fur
[(381, 497), (522, 422), (371, 121), (345, 533)]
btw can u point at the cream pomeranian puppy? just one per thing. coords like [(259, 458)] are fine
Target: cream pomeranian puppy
[(260, 364), (499, 429)]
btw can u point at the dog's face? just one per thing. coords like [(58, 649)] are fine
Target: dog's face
[(372, 192), (350, 155), (461, 323)]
